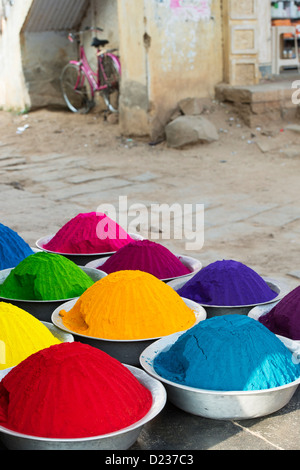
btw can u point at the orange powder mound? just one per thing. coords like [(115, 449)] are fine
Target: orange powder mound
[(128, 305)]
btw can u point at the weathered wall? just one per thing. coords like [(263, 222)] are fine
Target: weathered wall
[(264, 39), (44, 54), (13, 92), (174, 51)]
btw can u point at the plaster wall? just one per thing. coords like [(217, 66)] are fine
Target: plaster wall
[(13, 91), (172, 51), (44, 54)]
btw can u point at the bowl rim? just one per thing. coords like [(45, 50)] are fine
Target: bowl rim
[(35, 301), (47, 238), (200, 314), (147, 357), (187, 261), (271, 283), (159, 398)]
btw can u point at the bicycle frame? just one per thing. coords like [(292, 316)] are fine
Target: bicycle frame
[(92, 77)]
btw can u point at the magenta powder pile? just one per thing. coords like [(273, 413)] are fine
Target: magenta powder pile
[(284, 318), (88, 233), (227, 283), (147, 256)]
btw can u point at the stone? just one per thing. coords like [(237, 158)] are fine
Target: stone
[(191, 106), (293, 127), (186, 130)]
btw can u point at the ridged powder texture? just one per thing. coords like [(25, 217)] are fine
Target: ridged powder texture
[(227, 283), (88, 233), (228, 353), (13, 249), (45, 276), (21, 334), (71, 390), (148, 256), (284, 318), (128, 305)]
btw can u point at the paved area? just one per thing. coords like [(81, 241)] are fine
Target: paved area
[(252, 214)]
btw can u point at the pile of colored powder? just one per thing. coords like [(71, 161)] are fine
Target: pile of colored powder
[(128, 305), (71, 390), (45, 276), (284, 318), (227, 283), (21, 334), (13, 249), (228, 353), (148, 256), (88, 233)]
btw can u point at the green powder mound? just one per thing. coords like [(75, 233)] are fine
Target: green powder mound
[(45, 276)]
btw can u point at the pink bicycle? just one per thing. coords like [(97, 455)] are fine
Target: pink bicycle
[(79, 82)]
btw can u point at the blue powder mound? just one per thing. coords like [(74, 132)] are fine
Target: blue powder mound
[(228, 353), (227, 283), (13, 249)]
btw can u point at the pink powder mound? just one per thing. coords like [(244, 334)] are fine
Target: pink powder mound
[(89, 233), (147, 256), (71, 390)]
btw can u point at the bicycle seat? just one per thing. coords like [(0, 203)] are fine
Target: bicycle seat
[(99, 42)]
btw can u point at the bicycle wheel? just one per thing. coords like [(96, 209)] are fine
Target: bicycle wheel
[(76, 89), (109, 75)]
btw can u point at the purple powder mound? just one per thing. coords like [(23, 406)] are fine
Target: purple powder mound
[(147, 256), (227, 283), (284, 318)]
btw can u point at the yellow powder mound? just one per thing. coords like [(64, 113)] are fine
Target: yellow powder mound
[(128, 305), (21, 334)]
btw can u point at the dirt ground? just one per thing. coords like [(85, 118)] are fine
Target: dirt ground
[(58, 164), (245, 174)]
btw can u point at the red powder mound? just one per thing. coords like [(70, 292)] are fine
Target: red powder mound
[(87, 233), (147, 256), (71, 390)]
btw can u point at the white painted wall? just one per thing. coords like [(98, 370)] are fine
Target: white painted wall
[(13, 92)]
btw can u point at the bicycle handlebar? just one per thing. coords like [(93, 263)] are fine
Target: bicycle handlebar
[(72, 36)]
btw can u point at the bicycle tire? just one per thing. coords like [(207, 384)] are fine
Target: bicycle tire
[(112, 80), (76, 89)]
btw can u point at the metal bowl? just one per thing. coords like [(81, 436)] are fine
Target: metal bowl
[(192, 264), (42, 309), (215, 310), (127, 351), (119, 440), (79, 258), (237, 405)]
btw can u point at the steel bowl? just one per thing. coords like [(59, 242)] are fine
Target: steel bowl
[(119, 440), (215, 310), (192, 264), (42, 309), (228, 405), (127, 351), (79, 258)]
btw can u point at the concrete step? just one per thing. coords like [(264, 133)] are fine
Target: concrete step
[(262, 103)]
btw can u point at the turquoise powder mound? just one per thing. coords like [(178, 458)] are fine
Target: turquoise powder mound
[(228, 353), (13, 249)]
